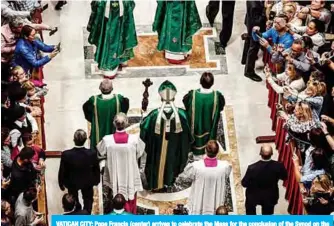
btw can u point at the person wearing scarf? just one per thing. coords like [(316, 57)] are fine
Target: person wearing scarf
[(167, 137)]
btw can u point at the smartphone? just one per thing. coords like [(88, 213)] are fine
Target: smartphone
[(325, 196), (258, 34), (45, 7), (58, 47)]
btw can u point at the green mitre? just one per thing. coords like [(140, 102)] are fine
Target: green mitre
[(167, 91)]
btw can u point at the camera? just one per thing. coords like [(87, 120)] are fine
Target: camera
[(180, 210)]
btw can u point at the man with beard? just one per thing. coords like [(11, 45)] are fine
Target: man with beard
[(278, 34)]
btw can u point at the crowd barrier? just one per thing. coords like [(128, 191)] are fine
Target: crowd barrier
[(285, 152), (40, 141)]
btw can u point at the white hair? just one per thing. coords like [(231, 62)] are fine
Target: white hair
[(121, 121)]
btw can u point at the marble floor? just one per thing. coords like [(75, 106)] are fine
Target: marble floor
[(70, 88)]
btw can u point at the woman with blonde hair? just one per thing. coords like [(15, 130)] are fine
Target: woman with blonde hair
[(299, 124), (313, 95), (33, 92), (290, 78), (290, 10), (18, 74), (301, 121), (320, 201)]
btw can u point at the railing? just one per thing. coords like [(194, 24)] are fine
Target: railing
[(40, 141), (285, 151)]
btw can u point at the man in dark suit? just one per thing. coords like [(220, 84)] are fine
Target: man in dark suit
[(255, 16), (69, 205), (261, 183), (79, 170), (212, 10)]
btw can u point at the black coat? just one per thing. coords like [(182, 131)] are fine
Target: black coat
[(261, 182), (255, 15), (79, 168), (22, 177)]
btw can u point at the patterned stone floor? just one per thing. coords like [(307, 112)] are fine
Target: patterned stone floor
[(149, 62), (155, 203)]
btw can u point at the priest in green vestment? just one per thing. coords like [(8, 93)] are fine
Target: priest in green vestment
[(113, 32), (166, 134), (100, 111), (176, 22), (203, 107)]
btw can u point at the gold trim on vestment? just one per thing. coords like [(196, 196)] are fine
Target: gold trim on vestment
[(97, 131), (163, 156), (199, 148), (117, 105), (214, 105), (203, 135), (193, 114)]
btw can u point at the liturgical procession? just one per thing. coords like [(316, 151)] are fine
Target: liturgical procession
[(166, 107)]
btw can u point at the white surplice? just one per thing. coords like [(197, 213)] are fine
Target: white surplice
[(208, 189), (121, 172)]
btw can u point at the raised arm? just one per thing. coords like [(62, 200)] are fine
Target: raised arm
[(44, 47), (31, 58), (7, 12)]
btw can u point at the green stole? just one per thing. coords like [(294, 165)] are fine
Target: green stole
[(104, 112), (114, 37), (176, 22), (167, 152)]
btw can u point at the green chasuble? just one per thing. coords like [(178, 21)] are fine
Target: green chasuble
[(114, 37), (167, 152), (176, 22), (203, 111), (101, 113)]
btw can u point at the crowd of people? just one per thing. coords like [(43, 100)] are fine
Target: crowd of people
[(299, 66), (23, 54)]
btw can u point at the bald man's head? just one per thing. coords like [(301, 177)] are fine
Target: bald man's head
[(106, 86), (266, 151)]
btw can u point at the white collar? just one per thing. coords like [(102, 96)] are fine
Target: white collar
[(107, 96), (119, 211), (82, 146), (203, 90), (120, 131), (266, 160), (19, 123)]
